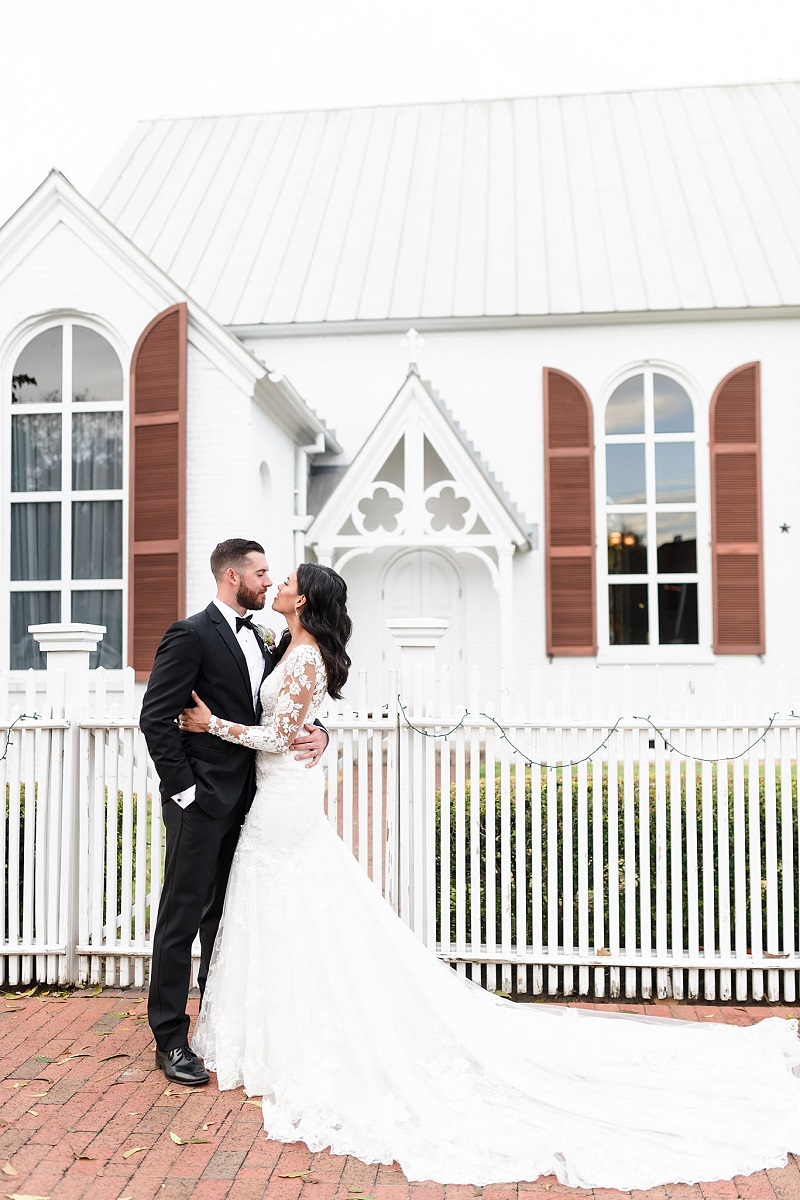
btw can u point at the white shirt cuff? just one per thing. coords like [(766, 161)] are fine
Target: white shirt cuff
[(186, 797)]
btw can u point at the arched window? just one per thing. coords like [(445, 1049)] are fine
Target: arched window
[(651, 513), (66, 489)]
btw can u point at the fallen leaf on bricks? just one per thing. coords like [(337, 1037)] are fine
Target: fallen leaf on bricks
[(295, 1175), (20, 1196), (33, 1112), (603, 951), (7, 1169), (134, 1150), (18, 1083), (209, 1123), (121, 1054), (81, 1054), (83, 1157), (179, 1141), (256, 1103)]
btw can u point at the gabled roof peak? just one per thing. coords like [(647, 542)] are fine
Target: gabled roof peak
[(418, 481)]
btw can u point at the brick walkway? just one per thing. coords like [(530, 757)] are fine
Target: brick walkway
[(103, 1124)]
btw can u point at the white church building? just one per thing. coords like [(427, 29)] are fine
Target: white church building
[(584, 457)]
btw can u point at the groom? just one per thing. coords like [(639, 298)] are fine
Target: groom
[(207, 785)]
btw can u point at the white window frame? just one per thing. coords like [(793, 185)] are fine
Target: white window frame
[(655, 652), (65, 320)]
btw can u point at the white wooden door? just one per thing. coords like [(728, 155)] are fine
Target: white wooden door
[(423, 583)]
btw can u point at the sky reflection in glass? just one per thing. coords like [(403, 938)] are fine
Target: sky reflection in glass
[(672, 406), (675, 473), (625, 408), (625, 474)]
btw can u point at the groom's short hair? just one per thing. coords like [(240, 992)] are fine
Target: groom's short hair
[(232, 553)]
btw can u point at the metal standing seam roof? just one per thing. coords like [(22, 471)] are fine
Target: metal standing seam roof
[(683, 199)]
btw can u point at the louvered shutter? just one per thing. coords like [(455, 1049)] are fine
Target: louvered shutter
[(736, 539), (157, 567), (569, 516)]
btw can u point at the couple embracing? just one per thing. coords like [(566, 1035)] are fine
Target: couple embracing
[(316, 997), (207, 768)]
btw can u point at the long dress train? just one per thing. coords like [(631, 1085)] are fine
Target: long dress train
[(324, 1003)]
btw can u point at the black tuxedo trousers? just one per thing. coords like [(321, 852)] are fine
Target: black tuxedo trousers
[(198, 654)]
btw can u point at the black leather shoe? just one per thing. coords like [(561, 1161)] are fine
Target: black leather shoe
[(181, 1065)]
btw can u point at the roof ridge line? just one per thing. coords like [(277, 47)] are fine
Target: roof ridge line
[(344, 108)]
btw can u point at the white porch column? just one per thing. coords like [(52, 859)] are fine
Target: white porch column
[(505, 584), (68, 647), (413, 835)]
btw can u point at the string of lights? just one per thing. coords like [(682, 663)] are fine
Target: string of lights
[(602, 745), (16, 721), (717, 757)]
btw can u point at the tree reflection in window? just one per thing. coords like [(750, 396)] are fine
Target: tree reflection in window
[(651, 512), (66, 489)]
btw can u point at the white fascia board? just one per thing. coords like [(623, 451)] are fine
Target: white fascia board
[(479, 323), (56, 200), (285, 405)]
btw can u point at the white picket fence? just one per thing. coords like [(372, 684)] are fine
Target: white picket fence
[(638, 871)]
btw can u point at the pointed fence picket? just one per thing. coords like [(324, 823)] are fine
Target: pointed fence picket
[(534, 855)]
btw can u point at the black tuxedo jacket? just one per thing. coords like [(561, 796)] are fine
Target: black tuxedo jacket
[(201, 654)]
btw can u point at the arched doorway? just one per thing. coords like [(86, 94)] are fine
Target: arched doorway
[(425, 583)]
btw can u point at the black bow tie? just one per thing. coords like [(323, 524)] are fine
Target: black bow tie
[(247, 622)]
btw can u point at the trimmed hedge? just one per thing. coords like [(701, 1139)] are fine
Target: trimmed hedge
[(707, 828)]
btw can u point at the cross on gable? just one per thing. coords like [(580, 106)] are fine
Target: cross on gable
[(413, 342)]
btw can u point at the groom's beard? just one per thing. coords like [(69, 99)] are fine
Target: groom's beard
[(250, 600)]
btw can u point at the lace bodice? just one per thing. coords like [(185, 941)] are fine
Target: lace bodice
[(290, 696)]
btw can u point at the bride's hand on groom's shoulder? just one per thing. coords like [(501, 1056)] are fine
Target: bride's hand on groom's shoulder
[(195, 720)]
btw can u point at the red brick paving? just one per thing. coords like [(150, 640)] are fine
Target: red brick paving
[(65, 1125)]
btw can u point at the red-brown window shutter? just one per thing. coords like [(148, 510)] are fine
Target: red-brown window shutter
[(736, 538), (569, 516), (157, 566)]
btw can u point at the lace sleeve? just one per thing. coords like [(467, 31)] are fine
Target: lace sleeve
[(291, 705)]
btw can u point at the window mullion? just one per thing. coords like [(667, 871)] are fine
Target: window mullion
[(66, 478), (650, 496)]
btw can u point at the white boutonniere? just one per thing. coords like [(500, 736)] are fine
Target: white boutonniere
[(267, 635)]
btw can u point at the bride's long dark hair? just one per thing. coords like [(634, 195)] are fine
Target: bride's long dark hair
[(325, 616)]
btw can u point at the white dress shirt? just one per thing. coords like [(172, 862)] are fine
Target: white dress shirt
[(254, 657)]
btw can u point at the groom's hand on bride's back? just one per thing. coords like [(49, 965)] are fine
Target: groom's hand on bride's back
[(310, 744)]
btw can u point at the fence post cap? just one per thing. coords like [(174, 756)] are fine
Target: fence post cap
[(67, 636), (417, 631)]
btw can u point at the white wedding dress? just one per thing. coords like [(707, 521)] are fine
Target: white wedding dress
[(323, 1002)]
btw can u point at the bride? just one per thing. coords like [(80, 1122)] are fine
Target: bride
[(320, 1000)]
